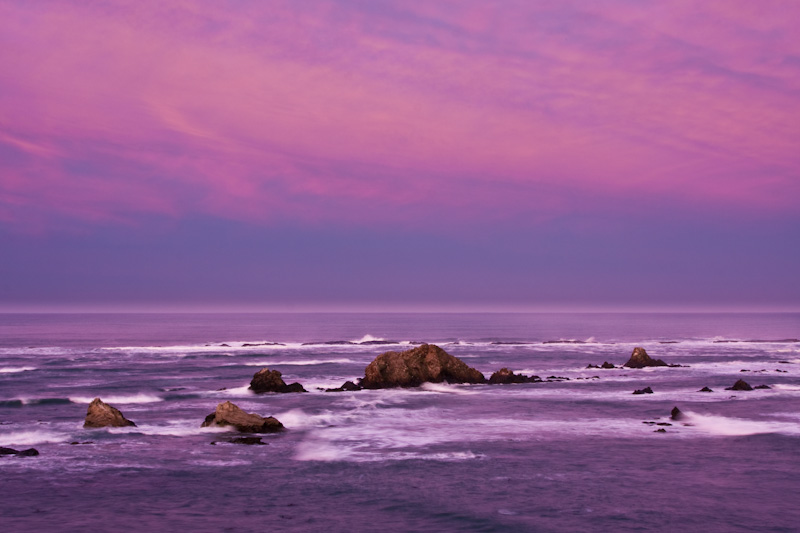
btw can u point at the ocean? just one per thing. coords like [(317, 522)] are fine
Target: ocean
[(576, 454)]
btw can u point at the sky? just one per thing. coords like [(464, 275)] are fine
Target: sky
[(400, 155)]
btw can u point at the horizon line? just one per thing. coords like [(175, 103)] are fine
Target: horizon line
[(306, 308)]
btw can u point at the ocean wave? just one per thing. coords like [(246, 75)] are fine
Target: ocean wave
[(15, 369), (730, 426), (134, 398), (31, 437)]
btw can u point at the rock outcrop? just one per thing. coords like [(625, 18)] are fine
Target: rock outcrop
[(640, 359), (229, 414), (646, 390), (266, 380), (100, 414), (740, 385), (425, 363), (705, 389), (505, 376)]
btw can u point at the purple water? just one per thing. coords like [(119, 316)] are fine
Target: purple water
[(572, 455)]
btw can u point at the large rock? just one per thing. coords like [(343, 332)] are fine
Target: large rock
[(413, 367), (266, 380), (505, 376), (229, 414), (100, 415), (640, 359), (740, 385)]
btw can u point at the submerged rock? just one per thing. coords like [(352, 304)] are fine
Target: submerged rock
[(425, 363), (676, 414), (762, 387), (640, 359), (646, 390), (740, 385), (705, 389), (229, 414), (100, 414), (505, 376), (266, 380)]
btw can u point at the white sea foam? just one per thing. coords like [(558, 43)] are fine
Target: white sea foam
[(30, 437), (369, 338), (220, 463), (173, 428), (299, 362), (445, 388), (15, 369), (134, 398), (729, 426), (244, 390)]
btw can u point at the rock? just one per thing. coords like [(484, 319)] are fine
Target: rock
[(740, 385), (646, 390), (266, 380), (30, 452), (346, 386), (762, 387), (605, 364), (411, 368), (505, 376), (229, 414), (660, 430), (640, 359), (676, 414), (705, 389), (100, 414)]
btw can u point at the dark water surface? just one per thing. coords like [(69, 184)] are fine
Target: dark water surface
[(572, 455)]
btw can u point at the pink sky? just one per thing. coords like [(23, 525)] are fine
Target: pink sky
[(523, 154), (113, 110)]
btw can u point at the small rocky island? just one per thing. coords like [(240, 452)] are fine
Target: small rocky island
[(425, 363), (100, 414), (266, 380)]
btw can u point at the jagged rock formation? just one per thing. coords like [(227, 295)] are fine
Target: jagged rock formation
[(425, 363), (100, 414), (266, 380), (646, 390), (229, 414), (640, 359)]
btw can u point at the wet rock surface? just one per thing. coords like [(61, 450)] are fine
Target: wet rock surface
[(646, 390)]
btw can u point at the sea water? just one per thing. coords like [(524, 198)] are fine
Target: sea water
[(576, 454)]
